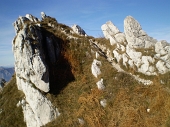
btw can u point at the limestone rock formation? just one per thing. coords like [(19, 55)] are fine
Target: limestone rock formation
[(43, 15), (33, 51), (29, 57), (38, 50), (77, 29), (112, 33), (31, 18), (136, 37), (134, 48)]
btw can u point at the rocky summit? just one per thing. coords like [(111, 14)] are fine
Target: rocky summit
[(67, 78)]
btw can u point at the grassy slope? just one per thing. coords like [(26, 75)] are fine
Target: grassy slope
[(11, 115), (127, 100)]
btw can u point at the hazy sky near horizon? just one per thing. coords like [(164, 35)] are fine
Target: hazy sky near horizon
[(153, 15)]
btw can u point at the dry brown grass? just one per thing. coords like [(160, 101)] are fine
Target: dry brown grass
[(129, 108), (90, 109)]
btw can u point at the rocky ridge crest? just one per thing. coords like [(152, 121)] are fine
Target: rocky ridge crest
[(36, 52), (135, 49)]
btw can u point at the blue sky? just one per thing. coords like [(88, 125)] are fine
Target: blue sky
[(153, 15)]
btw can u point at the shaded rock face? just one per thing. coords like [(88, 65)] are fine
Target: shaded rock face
[(135, 49), (36, 51)]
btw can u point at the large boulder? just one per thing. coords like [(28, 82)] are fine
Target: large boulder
[(134, 56), (109, 29), (162, 47), (95, 68), (112, 33), (146, 65), (160, 65)]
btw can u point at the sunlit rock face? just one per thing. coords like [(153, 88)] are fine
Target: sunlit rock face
[(135, 36), (39, 111), (136, 49), (29, 55), (112, 33), (33, 51), (95, 68)]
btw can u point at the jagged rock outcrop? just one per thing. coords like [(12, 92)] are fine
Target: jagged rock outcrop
[(33, 51), (77, 29), (31, 18), (112, 33), (43, 15), (36, 53), (135, 49), (135, 36), (29, 57), (39, 111)]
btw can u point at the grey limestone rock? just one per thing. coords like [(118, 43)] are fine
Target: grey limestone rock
[(95, 68), (43, 15), (112, 33), (29, 57), (31, 18), (135, 36), (33, 51)]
